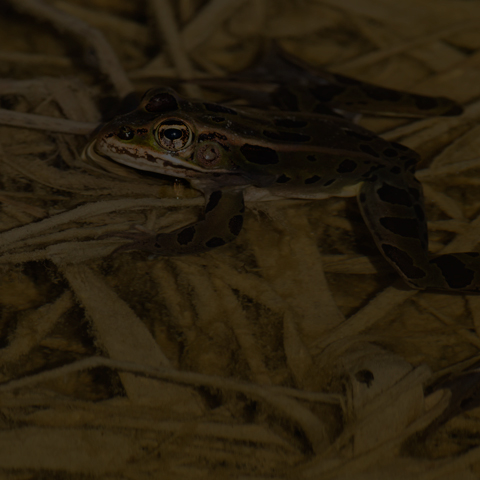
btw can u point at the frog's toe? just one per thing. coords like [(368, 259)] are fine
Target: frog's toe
[(140, 240)]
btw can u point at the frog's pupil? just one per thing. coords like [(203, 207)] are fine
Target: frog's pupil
[(172, 133)]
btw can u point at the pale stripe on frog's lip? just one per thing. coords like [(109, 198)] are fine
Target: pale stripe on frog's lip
[(252, 194), (168, 165)]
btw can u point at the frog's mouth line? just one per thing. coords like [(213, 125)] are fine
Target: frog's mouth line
[(173, 166)]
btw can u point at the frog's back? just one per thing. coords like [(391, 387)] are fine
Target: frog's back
[(291, 150)]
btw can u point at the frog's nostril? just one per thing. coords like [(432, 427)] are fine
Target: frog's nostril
[(125, 133)]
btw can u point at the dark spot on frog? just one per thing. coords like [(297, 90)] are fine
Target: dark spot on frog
[(390, 152), (235, 224), (329, 182), (286, 136), (203, 137), (217, 119), (311, 158), (369, 150), (327, 93), (288, 123), (313, 179), (382, 94), (396, 170), (186, 235), (347, 166), (283, 179), (414, 193), (215, 242), (259, 155), (425, 103), (162, 102), (125, 133), (358, 136), (405, 227), (456, 274), (213, 201), (214, 107), (403, 261), (365, 376), (394, 195)]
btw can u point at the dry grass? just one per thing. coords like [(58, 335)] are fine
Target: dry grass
[(294, 352)]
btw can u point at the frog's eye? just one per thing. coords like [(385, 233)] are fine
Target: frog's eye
[(174, 135)]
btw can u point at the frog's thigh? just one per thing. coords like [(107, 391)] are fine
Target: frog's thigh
[(396, 220), (222, 222), (394, 214)]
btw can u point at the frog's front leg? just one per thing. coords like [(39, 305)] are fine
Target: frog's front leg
[(222, 222), (392, 206)]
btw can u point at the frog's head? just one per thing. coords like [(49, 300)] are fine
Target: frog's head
[(164, 135)]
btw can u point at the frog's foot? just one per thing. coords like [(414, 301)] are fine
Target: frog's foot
[(222, 222)]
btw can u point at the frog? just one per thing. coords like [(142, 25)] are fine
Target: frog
[(305, 147)]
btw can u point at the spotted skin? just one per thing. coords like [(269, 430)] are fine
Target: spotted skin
[(222, 151)]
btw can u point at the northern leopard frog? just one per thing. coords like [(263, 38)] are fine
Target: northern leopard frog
[(225, 152)]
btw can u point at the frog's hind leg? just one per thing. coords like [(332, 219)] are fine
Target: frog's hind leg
[(394, 213), (353, 95)]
